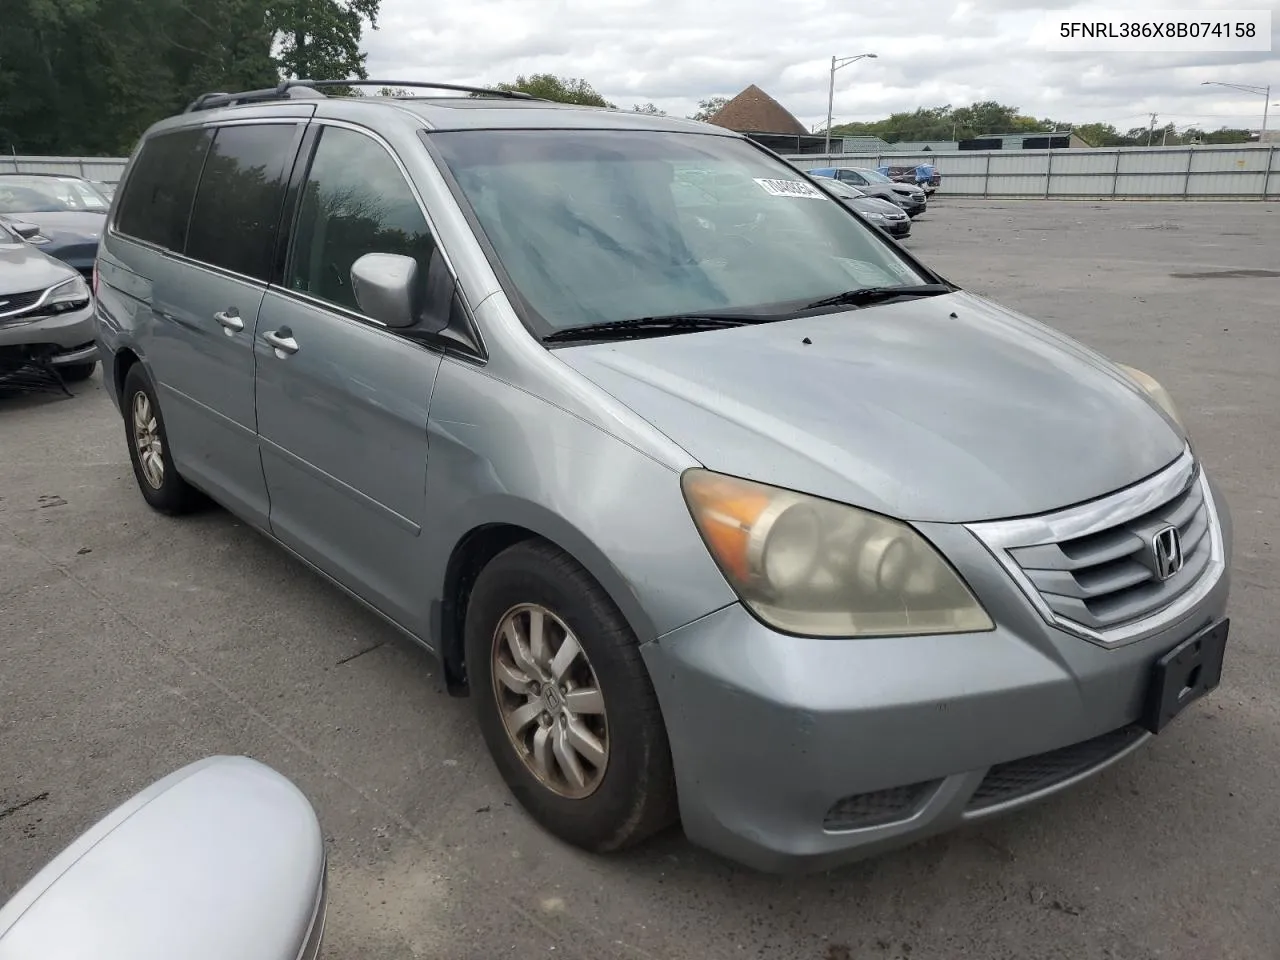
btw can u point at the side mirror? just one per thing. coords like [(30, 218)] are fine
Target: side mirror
[(224, 858), (25, 230), (387, 289)]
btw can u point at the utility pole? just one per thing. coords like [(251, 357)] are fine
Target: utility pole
[(1151, 132), (836, 64), (1249, 88)]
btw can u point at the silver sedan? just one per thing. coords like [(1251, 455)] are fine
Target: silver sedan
[(46, 310)]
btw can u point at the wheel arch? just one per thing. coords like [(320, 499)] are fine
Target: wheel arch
[(481, 542)]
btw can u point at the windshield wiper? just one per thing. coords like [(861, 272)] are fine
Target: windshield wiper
[(654, 326), (867, 295)]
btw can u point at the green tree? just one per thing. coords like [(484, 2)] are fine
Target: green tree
[(547, 86), (88, 76), (320, 39), (648, 108), (709, 108)]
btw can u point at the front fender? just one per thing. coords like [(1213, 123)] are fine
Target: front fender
[(499, 455)]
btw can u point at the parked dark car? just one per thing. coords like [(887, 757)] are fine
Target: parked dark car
[(69, 211), (923, 175), (874, 184), (889, 217)]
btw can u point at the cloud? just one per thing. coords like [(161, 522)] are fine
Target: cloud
[(930, 53)]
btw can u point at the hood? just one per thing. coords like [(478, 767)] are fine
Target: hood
[(73, 235), (909, 189), (24, 268), (876, 205), (69, 224), (947, 408)]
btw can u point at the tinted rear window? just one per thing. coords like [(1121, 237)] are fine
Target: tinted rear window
[(157, 197), (237, 208)]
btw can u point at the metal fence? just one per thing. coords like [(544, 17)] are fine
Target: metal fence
[(107, 169), (1123, 173)]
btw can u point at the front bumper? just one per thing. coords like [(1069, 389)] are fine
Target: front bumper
[(795, 753), (65, 338), (896, 228)]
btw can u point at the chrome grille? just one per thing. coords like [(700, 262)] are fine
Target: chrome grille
[(1095, 569), (1109, 577), (13, 303)]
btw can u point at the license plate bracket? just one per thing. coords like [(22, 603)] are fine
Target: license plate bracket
[(1185, 674)]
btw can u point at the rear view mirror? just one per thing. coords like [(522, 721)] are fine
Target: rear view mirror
[(386, 288), (224, 858), (25, 230)]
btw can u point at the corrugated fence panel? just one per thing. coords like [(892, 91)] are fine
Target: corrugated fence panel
[(1235, 185), (1161, 161), (92, 168), (1022, 163), (1201, 172), (1098, 185), (1084, 162), (1229, 172), (1151, 185)]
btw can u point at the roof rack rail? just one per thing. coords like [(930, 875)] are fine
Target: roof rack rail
[(303, 89)]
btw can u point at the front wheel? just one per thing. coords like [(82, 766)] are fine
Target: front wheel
[(564, 701)]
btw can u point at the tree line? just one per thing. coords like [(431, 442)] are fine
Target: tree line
[(989, 117), (86, 77)]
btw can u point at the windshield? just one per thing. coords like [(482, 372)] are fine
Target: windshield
[(840, 189), (20, 194), (875, 176), (594, 226)]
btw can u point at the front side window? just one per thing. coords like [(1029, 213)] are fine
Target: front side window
[(237, 207), (355, 201), (595, 226), (156, 203)]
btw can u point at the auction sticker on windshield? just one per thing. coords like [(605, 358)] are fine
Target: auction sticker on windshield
[(789, 188)]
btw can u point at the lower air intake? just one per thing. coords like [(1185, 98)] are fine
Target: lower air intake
[(1021, 778), (879, 807)]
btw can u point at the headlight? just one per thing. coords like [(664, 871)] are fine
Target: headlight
[(1151, 387), (71, 295), (817, 568), (874, 216)]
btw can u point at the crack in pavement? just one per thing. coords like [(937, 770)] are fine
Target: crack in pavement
[(8, 811)]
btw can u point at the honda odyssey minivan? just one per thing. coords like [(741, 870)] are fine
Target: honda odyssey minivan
[(720, 505)]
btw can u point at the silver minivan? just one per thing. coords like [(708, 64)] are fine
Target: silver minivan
[(719, 504)]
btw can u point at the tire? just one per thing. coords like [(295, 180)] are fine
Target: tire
[(76, 372), (634, 792), (171, 494)]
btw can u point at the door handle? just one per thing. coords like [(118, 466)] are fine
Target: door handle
[(231, 322), (283, 342)]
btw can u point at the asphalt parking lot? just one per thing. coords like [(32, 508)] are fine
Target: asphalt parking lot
[(131, 644)]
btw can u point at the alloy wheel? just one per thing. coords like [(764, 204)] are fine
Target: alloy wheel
[(550, 700), (146, 440)]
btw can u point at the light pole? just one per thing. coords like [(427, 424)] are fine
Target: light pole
[(836, 64), (1264, 92)]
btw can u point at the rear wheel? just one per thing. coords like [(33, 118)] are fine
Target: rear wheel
[(564, 701), (153, 468)]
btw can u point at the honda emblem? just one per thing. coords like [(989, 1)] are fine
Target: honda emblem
[(1166, 549)]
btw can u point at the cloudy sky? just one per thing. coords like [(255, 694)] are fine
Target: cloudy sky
[(929, 52)]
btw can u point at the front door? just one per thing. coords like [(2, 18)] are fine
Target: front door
[(342, 400), (206, 300)]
